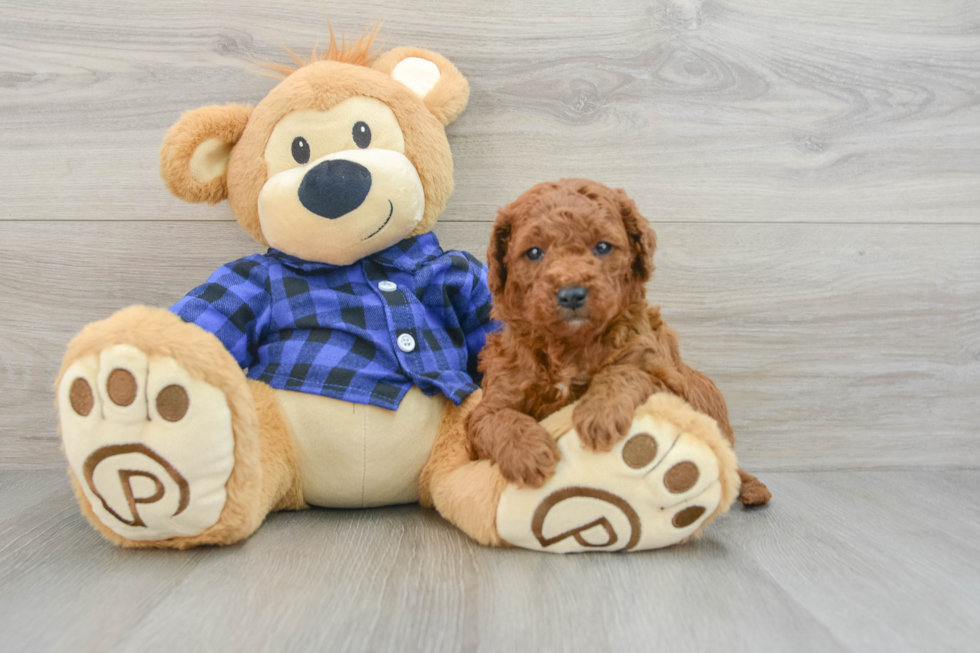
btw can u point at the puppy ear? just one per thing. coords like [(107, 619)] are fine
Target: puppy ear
[(643, 240), (431, 77), (195, 152), (497, 251)]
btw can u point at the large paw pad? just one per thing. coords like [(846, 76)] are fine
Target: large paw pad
[(151, 447), (653, 489)]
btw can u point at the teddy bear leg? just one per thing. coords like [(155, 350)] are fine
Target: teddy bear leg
[(704, 396), (168, 444), (662, 484), (465, 492)]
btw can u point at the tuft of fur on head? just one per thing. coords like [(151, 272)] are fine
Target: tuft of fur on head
[(359, 53)]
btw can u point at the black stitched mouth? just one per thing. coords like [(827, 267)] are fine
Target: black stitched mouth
[(391, 212)]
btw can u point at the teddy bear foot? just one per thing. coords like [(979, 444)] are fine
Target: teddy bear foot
[(660, 485), (150, 447)]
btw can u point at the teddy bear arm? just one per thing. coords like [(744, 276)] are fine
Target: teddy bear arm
[(234, 305)]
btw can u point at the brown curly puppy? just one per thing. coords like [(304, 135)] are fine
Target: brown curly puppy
[(569, 261)]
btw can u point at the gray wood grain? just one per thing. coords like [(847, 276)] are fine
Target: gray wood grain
[(862, 548), (811, 167), (851, 347), (729, 110), (861, 561), (807, 167)]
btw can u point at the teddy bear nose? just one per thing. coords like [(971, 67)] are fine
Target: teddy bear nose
[(334, 188), (572, 297)]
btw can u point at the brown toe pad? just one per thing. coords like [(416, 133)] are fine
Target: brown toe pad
[(121, 387)]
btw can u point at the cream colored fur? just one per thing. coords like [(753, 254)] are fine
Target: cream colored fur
[(374, 455), (268, 472), (232, 152), (262, 475)]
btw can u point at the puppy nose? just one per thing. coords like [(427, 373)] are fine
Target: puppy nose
[(572, 296), (334, 188)]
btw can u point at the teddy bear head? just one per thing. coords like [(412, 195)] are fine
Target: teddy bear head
[(345, 157)]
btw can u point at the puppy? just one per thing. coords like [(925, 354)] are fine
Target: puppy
[(569, 262)]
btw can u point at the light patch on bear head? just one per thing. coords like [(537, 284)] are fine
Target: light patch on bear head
[(418, 74)]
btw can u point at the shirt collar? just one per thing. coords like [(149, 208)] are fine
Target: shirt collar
[(407, 255)]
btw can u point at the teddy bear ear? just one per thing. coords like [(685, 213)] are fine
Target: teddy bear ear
[(195, 152), (430, 76)]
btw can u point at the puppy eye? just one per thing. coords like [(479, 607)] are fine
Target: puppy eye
[(534, 254), (361, 134), (602, 249), (301, 150)]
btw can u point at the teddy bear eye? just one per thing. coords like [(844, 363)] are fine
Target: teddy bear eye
[(361, 134), (534, 254), (301, 150), (602, 249)]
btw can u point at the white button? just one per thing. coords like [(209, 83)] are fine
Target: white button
[(406, 342), (388, 286)]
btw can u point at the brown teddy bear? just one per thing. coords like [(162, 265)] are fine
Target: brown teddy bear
[(338, 368)]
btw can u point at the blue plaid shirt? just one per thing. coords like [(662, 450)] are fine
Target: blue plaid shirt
[(332, 330)]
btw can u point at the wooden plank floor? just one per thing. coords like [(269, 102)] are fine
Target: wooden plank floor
[(840, 561), (812, 168)]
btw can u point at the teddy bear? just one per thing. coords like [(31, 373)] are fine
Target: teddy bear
[(338, 368)]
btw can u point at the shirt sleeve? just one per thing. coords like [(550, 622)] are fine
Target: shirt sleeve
[(234, 304), (474, 318)]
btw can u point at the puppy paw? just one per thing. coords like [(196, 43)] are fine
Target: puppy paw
[(528, 459), (601, 425)]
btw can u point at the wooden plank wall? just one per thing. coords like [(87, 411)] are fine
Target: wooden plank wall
[(812, 169)]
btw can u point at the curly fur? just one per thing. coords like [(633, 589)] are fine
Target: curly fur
[(609, 355)]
